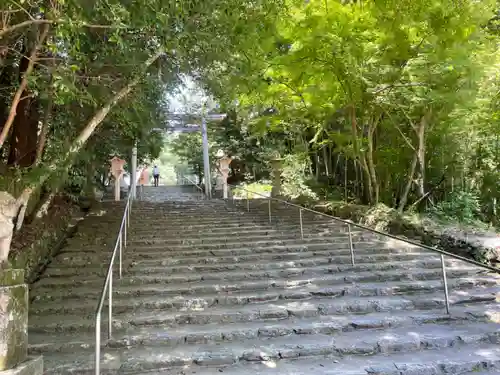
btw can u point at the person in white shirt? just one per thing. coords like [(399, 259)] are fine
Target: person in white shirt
[(156, 175)]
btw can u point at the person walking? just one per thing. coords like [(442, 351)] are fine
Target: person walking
[(156, 175)]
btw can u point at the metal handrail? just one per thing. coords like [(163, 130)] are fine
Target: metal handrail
[(121, 242), (351, 247), (194, 184)]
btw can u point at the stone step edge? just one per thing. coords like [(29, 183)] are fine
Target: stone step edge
[(268, 310), (273, 292), (263, 280), (97, 277), (161, 254), (203, 334), (262, 248), (147, 261), (251, 239), (250, 262), (140, 360)]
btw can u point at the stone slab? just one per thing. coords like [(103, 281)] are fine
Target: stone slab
[(32, 366), (10, 277), (13, 318)]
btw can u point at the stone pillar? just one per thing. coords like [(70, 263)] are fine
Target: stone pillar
[(133, 174), (219, 183), (14, 326), (224, 164), (276, 177), (117, 171)]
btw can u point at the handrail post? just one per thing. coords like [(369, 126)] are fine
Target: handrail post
[(445, 285), (125, 234), (301, 224), (120, 255), (120, 244), (351, 248), (97, 343), (269, 209), (110, 307)]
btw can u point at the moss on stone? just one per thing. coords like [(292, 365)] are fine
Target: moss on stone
[(10, 277), (38, 242), (13, 335)]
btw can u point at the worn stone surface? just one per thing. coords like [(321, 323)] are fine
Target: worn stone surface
[(31, 366), (209, 288), (13, 318)]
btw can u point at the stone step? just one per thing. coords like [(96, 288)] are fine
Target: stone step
[(222, 220), (237, 248), (76, 277), (338, 263), (214, 215), (193, 283), (463, 360), (177, 219), (434, 352), (289, 231), (75, 271), (204, 230), (94, 244), (145, 274), (215, 333), (363, 306), (134, 262), (210, 288), (207, 233), (192, 226), (409, 289), (262, 247)]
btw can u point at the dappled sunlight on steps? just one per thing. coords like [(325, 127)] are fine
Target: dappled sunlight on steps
[(209, 288)]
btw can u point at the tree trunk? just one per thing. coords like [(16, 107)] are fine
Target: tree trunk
[(411, 172), (22, 87), (368, 180), (317, 162), (23, 141), (371, 164), (45, 125), (326, 161), (6, 82), (420, 179), (80, 141), (361, 157), (358, 190), (345, 179), (336, 166)]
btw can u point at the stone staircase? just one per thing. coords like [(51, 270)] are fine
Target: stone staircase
[(209, 288)]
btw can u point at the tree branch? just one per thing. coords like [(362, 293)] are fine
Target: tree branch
[(22, 86), (77, 145), (30, 22), (26, 23)]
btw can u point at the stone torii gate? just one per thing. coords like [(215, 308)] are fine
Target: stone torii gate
[(187, 123)]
